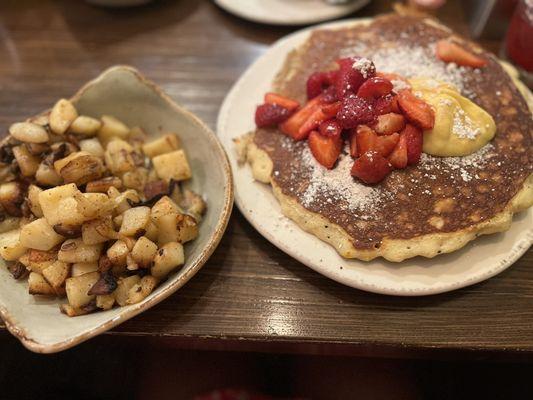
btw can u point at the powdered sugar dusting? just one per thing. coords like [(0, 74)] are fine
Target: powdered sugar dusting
[(463, 126), (339, 188), (364, 65)]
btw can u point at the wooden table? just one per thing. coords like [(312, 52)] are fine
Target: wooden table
[(250, 295)]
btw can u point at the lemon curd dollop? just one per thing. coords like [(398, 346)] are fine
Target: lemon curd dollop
[(461, 126)]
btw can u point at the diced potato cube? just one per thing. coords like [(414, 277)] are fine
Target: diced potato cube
[(164, 144), (167, 229), (38, 260), (98, 230), (74, 251), (122, 201), (151, 232), (163, 207), (135, 179), (83, 268), (93, 205), (9, 223), (141, 290), (39, 235), (51, 199), (135, 221), (92, 146), (12, 197), (119, 156), (187, 228), (118, 253), (84, 125), (193, 203), (78, 287), (112, 128), (144, 252), (168, 257), (33, 200), (11, 249), (56, 274), (62, 115), (38, 285), (27, 162), (172, 166), (105, 301), (47, 175), (28, 132), (103, 185), (123, 288), (79, 168)]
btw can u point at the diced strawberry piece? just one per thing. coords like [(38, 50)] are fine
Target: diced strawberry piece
[(352, 138), (269, 115), (355, 111), (395, 108), (398, 157), (389, 123), (326, 150), (350, 77), (331, 109), (291, 126), (371, 167), (416, 110), (321, 114), (330, 95), (366, 139), (382, 105), (330, 128), (386, 144), (394, 78), (374, 88), (448, 52), (320, 81), (289, 104), (414, 140)]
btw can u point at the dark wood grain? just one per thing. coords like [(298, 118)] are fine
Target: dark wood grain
[(249, 295)]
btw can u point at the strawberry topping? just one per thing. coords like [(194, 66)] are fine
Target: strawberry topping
[(326, 150), (416, 110), (330, 128), (354, 111), (414, 141), (374, 88), (291, 126), (319, 82), (289, 104), (398, 157), (371, 167), (449, 52), (368, 140), (269, 115), (350, 76), (389, 123)]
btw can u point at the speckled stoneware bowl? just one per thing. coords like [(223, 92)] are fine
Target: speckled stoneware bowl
[(123, 92)]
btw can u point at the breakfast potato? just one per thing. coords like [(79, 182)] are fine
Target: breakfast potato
[(33, 200), (74, 251), (124, 200), (28, 132), (92, 146), (38, 285), (123, 288), (78, 287), (144, 252), (9, 223), (187, 228), (168, 257), (135, 179), (50, 201), (193, 203), (98, 230), (39, 235), (27, 162), (172, 165), (78, 269), (93, 205), (12, 197), (84, 125), (103, 185), (46, 175), (11, 248), (141, 290), (118, 253), (112, 128), (165, 144), (105, 301), (162, 207), (56, 274), (80, 168), (167, 228), (62, 116), (135, 221), (38, 260), (119, 156)]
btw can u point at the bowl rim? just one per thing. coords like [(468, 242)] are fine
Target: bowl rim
[(208, 249)]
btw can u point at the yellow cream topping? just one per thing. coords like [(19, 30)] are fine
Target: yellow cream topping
[(461, 126)]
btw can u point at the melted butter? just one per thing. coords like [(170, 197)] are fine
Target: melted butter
[(461, 126)]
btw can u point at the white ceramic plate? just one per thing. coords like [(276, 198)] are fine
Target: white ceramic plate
[(124, 93), (289, 12), (479, 260)]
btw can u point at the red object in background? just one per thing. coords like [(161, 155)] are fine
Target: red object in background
[(519, 42)]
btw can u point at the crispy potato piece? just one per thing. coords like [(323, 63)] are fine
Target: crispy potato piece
[(135, 221), (172, 165), (62, 115), (47, 175), (59, 200), (79, 168), (167, 228), (103, 185), (105, 301), (141, 290), (38, 260), (39, 235), (93, 205), (123, 288), (11, 248), (56, 274), (28, 132), (78, 289), (92, 146), (83, 268), (98, 230), (193, 203), (12, 197), (135, 179), (33, 200), (168, 257), (38, 285), (37, 149), (70, 311), (131, 264), (117, 221), (9, 223), (144, 252), (84, 125), (165, 144), (155, 188), (163, 207), (74, 251), (187, 228), (112, 128), (28, 163), (122, 201), (119, 156), (151, 232), (118, 253)]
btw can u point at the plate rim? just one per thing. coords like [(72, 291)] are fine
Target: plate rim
[(208, 249), (514, 253)]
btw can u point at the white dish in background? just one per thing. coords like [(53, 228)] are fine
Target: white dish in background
[(123, 92), (289, 12), (477, 261)]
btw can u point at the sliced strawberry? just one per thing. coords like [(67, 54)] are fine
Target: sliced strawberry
[(374, 88), (414, 140), (289, 104), (351, 76), (326, 150), (352, 138), (319, 115), (269, 115), (330, 128), (389, 123), (395, 108), (448, 52), (331, 109), (320, 81), (416, 110), (355, 111), (398, 157), (366, 139), (382, 105), (394, 79), (385, 144), (371, 167), (291, 126), (330, 95)]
